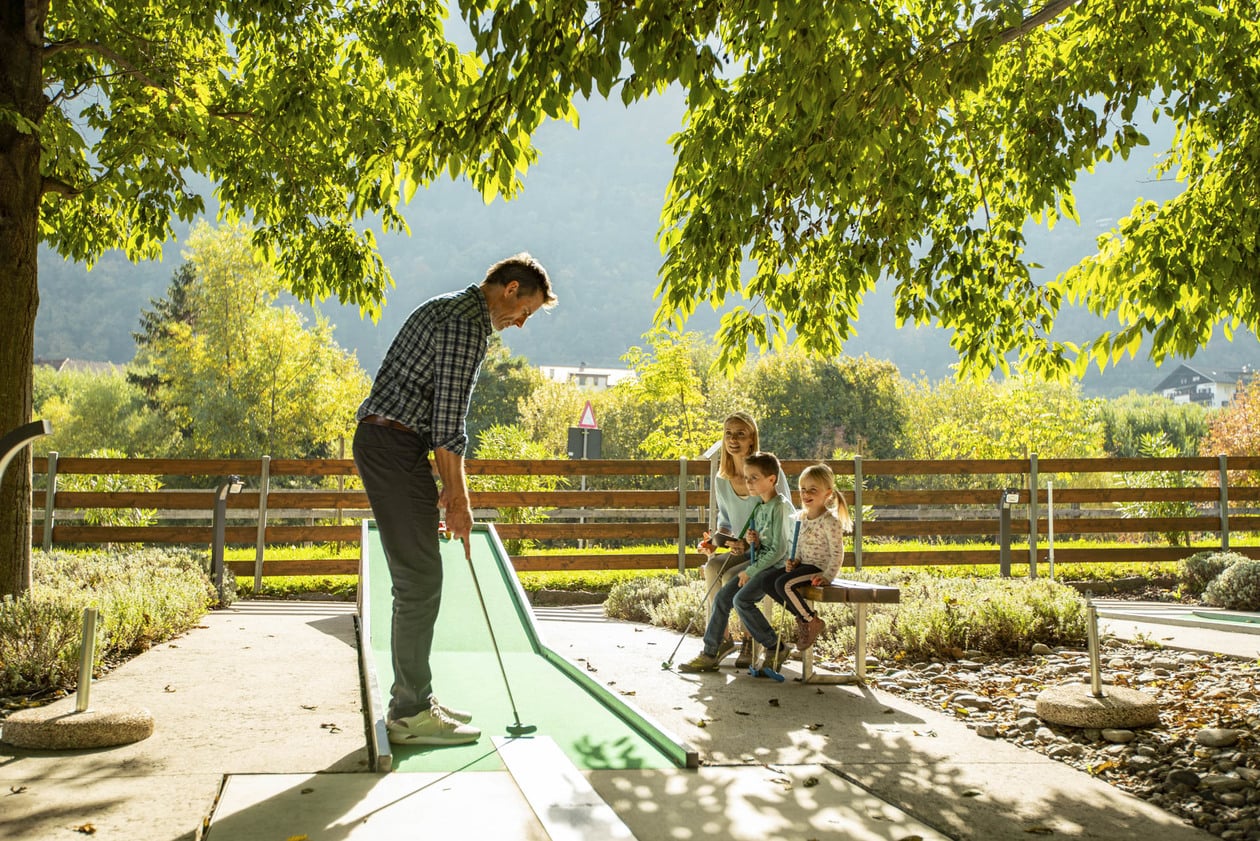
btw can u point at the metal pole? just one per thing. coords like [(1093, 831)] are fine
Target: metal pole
[(220, 537), (682, 515), (582, 511), (1095, 676), (1050, 523), (1032, 516), (1004, 537), (857, 512), (264, 483), (50, 501), (231, 486), (1224, 504), (87, 656)]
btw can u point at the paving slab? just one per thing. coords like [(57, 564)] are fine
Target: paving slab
[(1187, 627), (457, 806), (920, 761), (261, 687)]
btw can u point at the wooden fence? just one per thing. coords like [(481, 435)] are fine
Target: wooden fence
[(664, 501)]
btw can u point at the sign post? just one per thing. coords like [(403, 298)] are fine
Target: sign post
[(585, 441)]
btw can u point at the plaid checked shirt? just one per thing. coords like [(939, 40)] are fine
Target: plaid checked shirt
[(427, 377)]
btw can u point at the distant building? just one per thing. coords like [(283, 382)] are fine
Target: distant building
[(76, 365), (593, 379), (1211, 389)]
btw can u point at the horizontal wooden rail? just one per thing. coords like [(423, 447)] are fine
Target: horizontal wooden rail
[(891, 508)]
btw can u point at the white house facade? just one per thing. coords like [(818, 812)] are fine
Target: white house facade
[(1211, 389), (585, 377)]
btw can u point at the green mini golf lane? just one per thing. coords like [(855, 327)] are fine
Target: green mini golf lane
[(593, 727)]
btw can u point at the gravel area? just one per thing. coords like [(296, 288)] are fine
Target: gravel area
[(1201, 762)]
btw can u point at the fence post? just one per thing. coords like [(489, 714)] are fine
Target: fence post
[(1224, 504), (50, 501), (1009, 497), (264, 482), (857, 512), (682, 515), (1032, 515)]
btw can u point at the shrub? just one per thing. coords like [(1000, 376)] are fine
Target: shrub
[(143, 597), (1003, 616), (937, 617), (635, 599), (1237, 588), (1201, 569)]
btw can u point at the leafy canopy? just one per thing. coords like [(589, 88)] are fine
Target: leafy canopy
[(832, 146), (306, 116)]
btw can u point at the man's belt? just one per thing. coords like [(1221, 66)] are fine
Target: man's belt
[(377, 420)]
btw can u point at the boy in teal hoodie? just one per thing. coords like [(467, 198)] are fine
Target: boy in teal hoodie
[(768, 539)]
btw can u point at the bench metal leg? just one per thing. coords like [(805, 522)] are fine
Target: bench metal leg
[(808, 675)]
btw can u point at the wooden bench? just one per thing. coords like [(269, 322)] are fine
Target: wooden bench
[(859, 594)]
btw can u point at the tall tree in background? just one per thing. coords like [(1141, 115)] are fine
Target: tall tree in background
[(157, 325), (243, 376), (809, 408), (1235, 430), (667, 385), (1130, 418), (305, 116), (503, 384)]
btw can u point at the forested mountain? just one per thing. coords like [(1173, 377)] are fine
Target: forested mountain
[(590, 212)]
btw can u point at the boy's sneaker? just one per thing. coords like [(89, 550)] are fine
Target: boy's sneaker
[(431, 727), (459, 715), (813, 628), (701, 663), (745, 658), (774, 658), (725, 647)]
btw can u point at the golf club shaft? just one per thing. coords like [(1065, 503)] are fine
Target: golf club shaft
[(716, 580), (494, 643)]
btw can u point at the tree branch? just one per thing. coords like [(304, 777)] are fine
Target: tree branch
[(1047, 13), (105, 52)]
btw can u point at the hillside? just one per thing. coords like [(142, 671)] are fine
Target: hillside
[(590, 213)]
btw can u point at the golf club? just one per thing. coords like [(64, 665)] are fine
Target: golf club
[(669, 664), (515, 729)]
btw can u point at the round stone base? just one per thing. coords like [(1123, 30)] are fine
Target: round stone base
[(40, 729), (1074, 705)]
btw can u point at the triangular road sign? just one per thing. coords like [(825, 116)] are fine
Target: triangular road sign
[(587, 421)]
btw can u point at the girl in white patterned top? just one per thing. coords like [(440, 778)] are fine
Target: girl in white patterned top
[(817, 549)]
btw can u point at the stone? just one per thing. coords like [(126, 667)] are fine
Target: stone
[(1182, 777), (987, 731), (1041, 649), (1074, 705), (41, 729), (1118, 737), (1216, 737)]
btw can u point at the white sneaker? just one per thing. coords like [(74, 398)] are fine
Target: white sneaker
[(461, 716), (431, 727)]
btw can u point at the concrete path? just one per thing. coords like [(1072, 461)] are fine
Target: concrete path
[(263, 687), (926, 764), (271, 689)]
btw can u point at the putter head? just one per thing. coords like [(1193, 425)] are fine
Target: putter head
[(666, 666), (519, 729)]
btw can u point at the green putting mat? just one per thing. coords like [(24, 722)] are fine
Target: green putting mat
[(596, 729)]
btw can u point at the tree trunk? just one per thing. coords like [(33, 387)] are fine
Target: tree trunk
[(21, 92)]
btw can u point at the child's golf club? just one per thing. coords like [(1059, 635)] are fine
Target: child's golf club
[(669, 664)]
